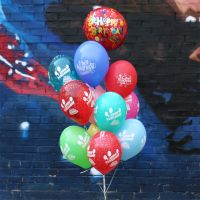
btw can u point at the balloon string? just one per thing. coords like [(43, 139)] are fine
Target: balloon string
[(105, 190), (104, 187), (100, 187), (84, 171), (111, 180)]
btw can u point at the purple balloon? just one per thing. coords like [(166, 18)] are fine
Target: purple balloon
[(91, 62)]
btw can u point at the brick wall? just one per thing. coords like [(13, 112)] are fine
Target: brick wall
[(159, 44)]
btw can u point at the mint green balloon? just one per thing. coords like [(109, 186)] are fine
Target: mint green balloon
[(73, 144), (110, 111)]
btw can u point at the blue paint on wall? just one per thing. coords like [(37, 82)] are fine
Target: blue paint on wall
[(24, 127), (166, 96), (33, 24)]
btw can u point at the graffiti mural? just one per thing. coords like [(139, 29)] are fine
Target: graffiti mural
[(189, 10), (19, 71), (186, 7)]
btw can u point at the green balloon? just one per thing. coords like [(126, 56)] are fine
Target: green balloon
[(110, 112), (73, 144)]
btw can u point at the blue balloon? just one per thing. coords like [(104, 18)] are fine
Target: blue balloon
[(61, 71), (91, 62), (132, 136)]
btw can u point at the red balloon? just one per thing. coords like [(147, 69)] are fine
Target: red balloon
[(104, 151), (121, 78), (106, 26), (77, 101)]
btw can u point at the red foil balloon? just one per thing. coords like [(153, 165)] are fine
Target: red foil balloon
[(106, 26), (77, 101), (121, 78), (104, 151)]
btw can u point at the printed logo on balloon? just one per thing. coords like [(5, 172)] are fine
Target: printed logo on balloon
[(73, 144), (83, 141), (77, 101), (91, 155), (106, 26), (110, 111), (111, 159), (61, 71), (132, 136), (112, 116), (91, 62), (86, 66), (125, 138), (121, 78), (124, 80), (104, 151)]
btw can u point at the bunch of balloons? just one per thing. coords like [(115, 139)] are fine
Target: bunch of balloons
[(113, 134)]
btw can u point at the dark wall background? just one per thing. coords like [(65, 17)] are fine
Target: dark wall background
[(159, 44)]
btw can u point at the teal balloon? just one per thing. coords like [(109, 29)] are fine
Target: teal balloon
[(132, 136), (61, 71), (110, 111)]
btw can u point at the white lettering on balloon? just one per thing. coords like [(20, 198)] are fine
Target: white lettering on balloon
[(89, 97), (65, 149), (73, 111), (62, 72), (71, 157), (104, 20), (83, 141), (124, 80), (112, 116), (102, 134), (110, 159), (125, 137), (66, 152), (86, 66), (67, 105), (91, 154)]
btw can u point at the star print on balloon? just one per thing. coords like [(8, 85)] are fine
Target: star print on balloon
[(19, 70)]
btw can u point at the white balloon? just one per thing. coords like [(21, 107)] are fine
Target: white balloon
[(95, 172)]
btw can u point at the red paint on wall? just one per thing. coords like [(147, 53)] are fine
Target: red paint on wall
[(19, 71)]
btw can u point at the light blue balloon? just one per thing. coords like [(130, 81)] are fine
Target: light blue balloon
[(61, 71), (110, 111), (91, 62), (132, 136)]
